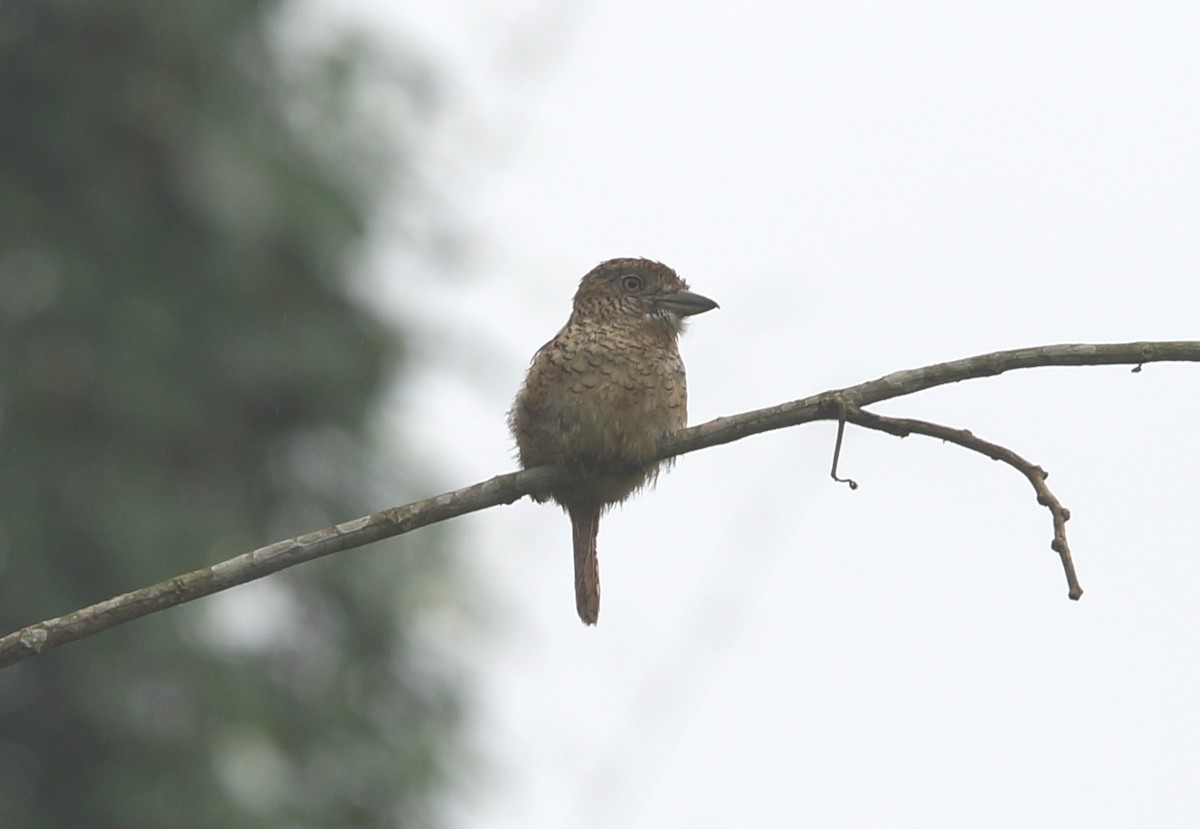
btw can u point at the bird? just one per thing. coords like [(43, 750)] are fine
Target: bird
[(602, 396)]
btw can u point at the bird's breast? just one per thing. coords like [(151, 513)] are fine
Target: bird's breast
[(607, 401)]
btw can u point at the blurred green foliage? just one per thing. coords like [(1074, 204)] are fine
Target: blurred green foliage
[(183, 376)]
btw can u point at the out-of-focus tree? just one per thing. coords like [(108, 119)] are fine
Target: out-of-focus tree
[(184, 375)]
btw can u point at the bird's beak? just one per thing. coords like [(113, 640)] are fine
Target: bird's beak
[(685, 303)]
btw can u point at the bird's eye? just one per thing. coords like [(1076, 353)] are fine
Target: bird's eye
[(632, 283)]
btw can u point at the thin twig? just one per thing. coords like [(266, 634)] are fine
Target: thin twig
[(837, 447), (837, 454), (903, 427)]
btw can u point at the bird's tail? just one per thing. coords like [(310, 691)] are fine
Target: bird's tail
[(585, 526)]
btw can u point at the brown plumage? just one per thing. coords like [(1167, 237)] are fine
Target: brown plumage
[(602, 396)]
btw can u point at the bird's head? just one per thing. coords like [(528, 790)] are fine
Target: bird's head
[(640, 289)]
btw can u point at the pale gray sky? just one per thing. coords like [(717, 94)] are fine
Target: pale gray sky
[(864, 187)]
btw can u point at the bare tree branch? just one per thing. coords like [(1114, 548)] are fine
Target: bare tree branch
[(1060, 515), (504, 489)]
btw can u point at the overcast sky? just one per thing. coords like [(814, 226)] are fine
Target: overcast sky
[(864, 187)]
